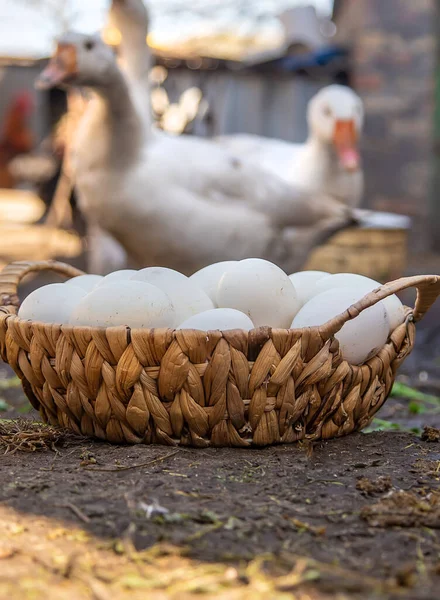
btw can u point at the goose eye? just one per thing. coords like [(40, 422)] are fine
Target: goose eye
[(89, 45), (327, 111)]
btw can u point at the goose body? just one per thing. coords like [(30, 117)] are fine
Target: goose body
[(328, 161), (180, 202), (309, 166)]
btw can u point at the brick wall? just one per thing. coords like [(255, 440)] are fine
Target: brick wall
[(393, 70)]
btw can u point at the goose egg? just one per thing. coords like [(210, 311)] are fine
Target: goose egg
[(121, 275), (363, 285), (208, 278), (86, 282), (223, 319), (186, 297), (344, 280), (304, 282), (52, 303), (261, 290), (159, 276), (359, 339), (129, 303)]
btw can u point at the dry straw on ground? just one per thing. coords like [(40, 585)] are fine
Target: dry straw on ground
[(23, 435)]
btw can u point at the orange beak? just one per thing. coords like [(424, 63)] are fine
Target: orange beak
[(345, 143), (61, 68)]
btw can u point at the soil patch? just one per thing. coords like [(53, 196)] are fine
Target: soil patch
[(278, 506)]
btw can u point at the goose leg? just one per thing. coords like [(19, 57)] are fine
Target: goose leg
[(105, 254)]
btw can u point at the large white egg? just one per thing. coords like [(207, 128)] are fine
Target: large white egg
[(223, 319), (340, 280), (261, 290), (304, 282), (159, 276), (86, 282), (52, 303), (186, 297), (208, 278), (363, 285), (121, 275), (360, 338), (131, 303)]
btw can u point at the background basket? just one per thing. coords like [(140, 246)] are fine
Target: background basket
[(377, 253), (188, 387)]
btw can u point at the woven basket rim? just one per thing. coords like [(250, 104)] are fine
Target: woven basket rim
[(259, 333), (409, 312)]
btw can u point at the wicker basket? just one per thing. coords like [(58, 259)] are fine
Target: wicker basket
[(188, 387), (377, 253)]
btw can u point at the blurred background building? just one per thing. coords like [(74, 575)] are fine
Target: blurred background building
[(394, 66)]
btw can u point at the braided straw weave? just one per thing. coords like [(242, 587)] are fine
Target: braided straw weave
[(194, 388)]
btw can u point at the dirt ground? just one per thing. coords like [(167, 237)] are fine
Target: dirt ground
[(351, 518), (357, 517)]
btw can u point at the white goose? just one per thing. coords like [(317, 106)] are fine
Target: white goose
[(180, 202), (104, 252), (329, 160), (131, 19)]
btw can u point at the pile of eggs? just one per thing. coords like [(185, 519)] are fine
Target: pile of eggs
[(228, 295)]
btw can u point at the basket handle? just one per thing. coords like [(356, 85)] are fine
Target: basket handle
[(428, 290), (13, 273)]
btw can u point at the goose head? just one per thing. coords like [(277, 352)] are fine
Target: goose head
[(79, 60), (129, 15), (335, 118)]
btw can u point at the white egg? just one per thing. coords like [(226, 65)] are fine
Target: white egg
[(360, 338), (223, 319), (121, 275), (186, 297), (344, 280), (52, 303), (86, 282), (304, 282), (363, 285), (208, 278), (159, 276), (131, 303), (261, 290)]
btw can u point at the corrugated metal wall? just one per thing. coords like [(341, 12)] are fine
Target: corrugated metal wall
[(263, 104)]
